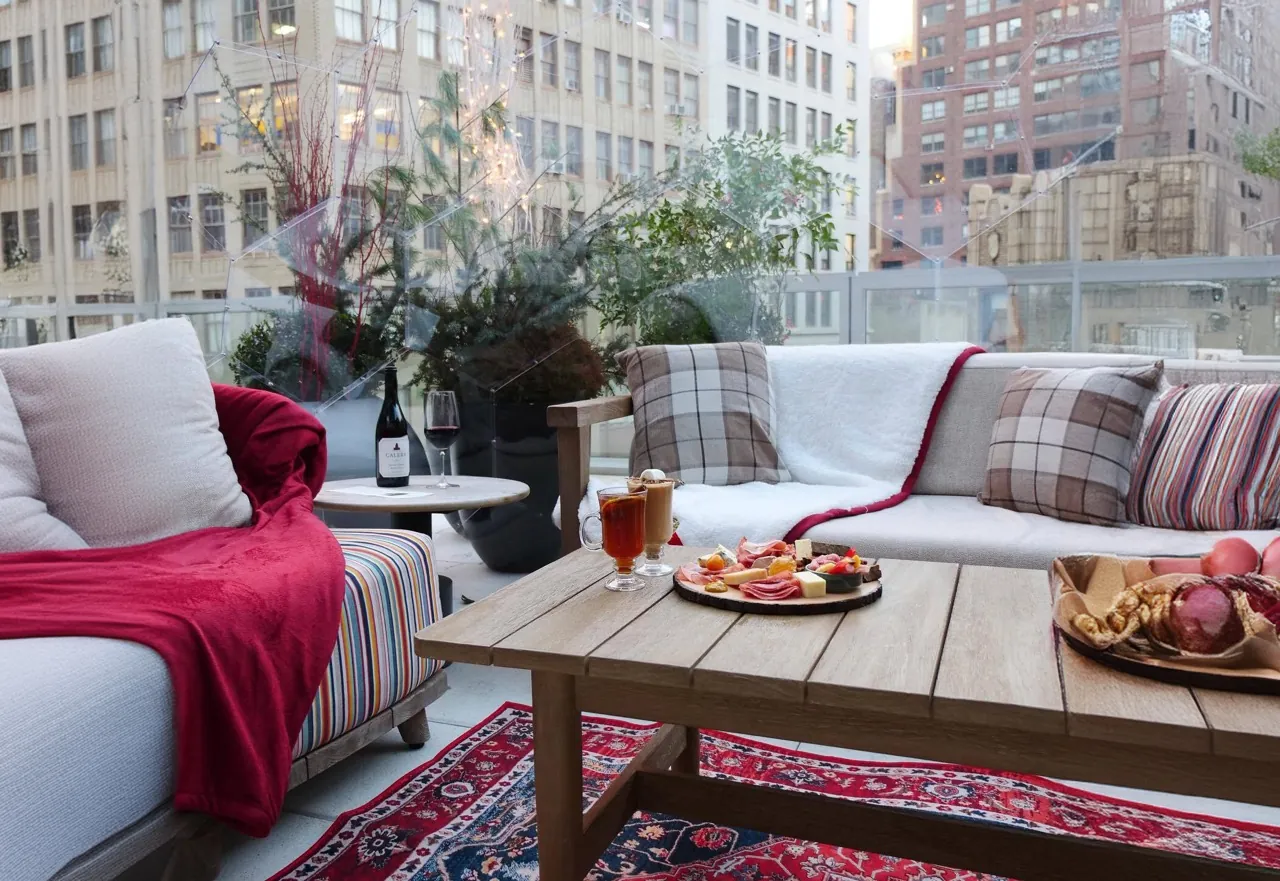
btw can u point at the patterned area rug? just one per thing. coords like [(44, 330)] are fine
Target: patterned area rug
[(468, 815)]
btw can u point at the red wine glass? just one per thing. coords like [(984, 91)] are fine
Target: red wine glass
[(442, 429)]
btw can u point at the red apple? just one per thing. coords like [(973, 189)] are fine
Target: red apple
[(1204, 619), (1231, 556), (1271, 559)]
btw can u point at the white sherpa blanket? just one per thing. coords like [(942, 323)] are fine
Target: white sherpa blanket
[(850, 425)]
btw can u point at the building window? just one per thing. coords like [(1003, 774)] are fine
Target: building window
[(602, 75), (209, 119), (6, 67), (789, 9), (811, 67), (212, 223), (977, 71), (524, 54), (10, 236), (671, 90), (604, 156), (179, 224), (75, 50), (626, 158), (671, 157), (976, 136), (204, 16), (935, 142), (751, 115), (670, 19), (851, 81), (218, 294), (976, 7), (245, 21), (932, 47), (851, 135), (550, 60), (1009, 29), (934, 79), (977, 102), (429, 30), (933, 15), (1005, 163), (280, 18), (348, 19), (975, 167), (644, 85), (573, 150), (175, 128), (825, 8), (826, 128), (810, 127), (8, 164), (254, 216), (1007, 98), (104, 130), (790, 60), (850, 23), (646, 158), (31, 229), (78, 141), (26, 62), (826, 72), (691, 95), (1042, 159), (1005, 131), (775, 54), (977, 38), (932, 173), (932, 205), (82, 231), (931, 236), (732, 42), (550, 140), (386, 23), (30, 150), (524, 140), (790, 124), (751, 49), (775, 116), (691, 21), (1005, 65), (644, 12), (933, 110), (171, 21), (573, 66), (733, 107), (811, 14)]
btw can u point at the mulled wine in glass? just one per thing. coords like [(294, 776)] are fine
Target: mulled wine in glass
[(441, 429)]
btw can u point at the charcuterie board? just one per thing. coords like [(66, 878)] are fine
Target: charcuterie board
[(735, 600)]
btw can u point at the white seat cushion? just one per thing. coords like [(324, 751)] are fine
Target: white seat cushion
[(86, 736), (960, 529)]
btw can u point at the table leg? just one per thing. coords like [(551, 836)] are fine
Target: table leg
[(687, 761), (420, 522), (557, 776)]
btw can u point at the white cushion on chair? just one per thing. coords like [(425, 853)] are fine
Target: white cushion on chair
[(25, 522), (124, 433)]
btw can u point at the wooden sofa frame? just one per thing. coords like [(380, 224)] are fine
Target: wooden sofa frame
[(197, 855), (572, 423)]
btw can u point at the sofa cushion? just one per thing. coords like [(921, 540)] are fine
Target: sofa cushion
[(124, 433), (960, 529), (703, 413), (1209, 459), (1063, 441), (25, 521), (956, 463)]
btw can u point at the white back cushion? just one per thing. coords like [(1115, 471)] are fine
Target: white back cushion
[(124, 433), (25, 522)]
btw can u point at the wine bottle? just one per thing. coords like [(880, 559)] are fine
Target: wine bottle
[(392, 435)]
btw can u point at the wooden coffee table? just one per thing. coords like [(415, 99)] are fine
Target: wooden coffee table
[(954, 664)]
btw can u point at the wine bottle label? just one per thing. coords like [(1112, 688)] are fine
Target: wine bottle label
[(393, 457)]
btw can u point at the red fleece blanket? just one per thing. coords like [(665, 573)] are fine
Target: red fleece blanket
[(245, 618)]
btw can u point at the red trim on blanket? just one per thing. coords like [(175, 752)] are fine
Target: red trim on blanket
[(899, 497)]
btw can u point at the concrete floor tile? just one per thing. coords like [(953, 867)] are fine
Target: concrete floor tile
[(475, 692)]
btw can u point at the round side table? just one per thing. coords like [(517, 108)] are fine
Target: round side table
[(411, 506)]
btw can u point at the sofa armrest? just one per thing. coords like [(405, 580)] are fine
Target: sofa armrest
[(573, 436), (581, 413)]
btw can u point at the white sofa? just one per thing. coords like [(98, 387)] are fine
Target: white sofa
[(943, 520)]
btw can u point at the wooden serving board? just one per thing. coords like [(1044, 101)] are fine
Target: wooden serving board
[(736, 601)]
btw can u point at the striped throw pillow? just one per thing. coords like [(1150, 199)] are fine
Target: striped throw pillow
[(1209, 458)]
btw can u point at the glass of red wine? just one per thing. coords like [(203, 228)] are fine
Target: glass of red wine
[(442, 429)]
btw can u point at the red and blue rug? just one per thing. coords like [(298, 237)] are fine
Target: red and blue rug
[(468, 815)]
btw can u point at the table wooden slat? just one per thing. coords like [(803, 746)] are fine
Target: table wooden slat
[(766, 655), (561, 640), (1244, 725), (998, 664), (1105, 704), (661, 646), (884, 657), (468, 635)]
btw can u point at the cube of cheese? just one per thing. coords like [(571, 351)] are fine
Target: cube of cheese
[(811, 584), (804, 549), (736, 578)]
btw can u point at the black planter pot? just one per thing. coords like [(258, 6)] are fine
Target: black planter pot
[(349, 426), (514, 442)]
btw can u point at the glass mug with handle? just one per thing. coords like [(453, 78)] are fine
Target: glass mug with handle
[(622, 536)]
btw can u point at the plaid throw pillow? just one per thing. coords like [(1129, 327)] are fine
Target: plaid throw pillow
[(1064, 440), (703, 413), (1208, 459)]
